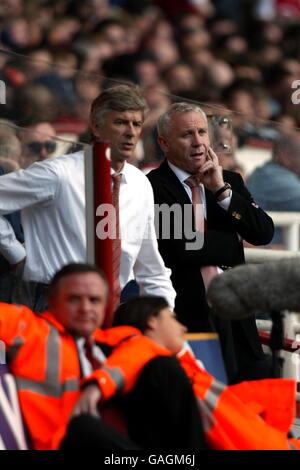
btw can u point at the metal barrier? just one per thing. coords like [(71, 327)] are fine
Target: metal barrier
[(263, 255), (290, 222)]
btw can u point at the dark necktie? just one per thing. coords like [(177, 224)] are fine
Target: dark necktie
[(88, 349), (207, 272), (116, 242)]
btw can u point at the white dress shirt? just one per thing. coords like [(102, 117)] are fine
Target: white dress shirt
[(51, 196)]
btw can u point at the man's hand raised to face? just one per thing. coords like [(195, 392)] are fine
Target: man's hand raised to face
[(211, 173)]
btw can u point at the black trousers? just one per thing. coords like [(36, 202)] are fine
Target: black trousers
[(161, 414)]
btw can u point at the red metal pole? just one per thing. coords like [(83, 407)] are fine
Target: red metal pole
[(103, 195)]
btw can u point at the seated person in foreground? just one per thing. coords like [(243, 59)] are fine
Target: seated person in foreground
[(54, 354), (255, 415)]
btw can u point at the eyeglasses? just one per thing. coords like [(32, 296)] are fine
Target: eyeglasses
[(222, 121), (224, 148), (37, 147)]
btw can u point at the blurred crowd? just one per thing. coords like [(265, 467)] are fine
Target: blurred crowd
[(56, 56)]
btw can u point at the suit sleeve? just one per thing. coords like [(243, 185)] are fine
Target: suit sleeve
[(249, 220)]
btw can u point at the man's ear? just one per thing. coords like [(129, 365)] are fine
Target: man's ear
[(152, 323), (163, 143)]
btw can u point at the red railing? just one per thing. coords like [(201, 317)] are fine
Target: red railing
[(290, 345)]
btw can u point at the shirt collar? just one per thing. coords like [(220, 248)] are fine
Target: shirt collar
[(123, 172), (50, 318), (181, 174)]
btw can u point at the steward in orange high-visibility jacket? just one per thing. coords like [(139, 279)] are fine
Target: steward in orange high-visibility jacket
[(43, 358), (247, 416)]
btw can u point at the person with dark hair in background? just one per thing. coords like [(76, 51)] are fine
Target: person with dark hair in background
[(276, 184)]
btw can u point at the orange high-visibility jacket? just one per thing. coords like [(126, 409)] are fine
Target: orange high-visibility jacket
[(43, 358), (253, 415), (250, 415)]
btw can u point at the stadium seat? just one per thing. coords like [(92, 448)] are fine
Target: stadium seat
[(13, 435), (207, 349)]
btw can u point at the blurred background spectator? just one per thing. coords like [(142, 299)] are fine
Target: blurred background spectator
[(38, 143), (275, 186), (236, 59)]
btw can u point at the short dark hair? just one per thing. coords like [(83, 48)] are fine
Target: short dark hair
[(74, 268), (138, 310), (118, 98)]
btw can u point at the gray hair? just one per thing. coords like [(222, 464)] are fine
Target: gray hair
[(163, 124), (118, 98)]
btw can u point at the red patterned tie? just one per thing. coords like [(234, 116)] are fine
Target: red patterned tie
[(207, 272), (116, 259)]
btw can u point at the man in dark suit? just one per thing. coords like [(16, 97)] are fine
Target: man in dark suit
[(230, 216)]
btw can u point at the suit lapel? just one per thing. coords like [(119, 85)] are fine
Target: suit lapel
[(172, 185)]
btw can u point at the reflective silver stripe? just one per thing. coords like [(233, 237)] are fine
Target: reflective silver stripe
[(47, 389), (70, 385), (291, 446), (208, 419), (50, 387), (52, 356), (213, 394), (116, 375), (14, 348), (208, 404)]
